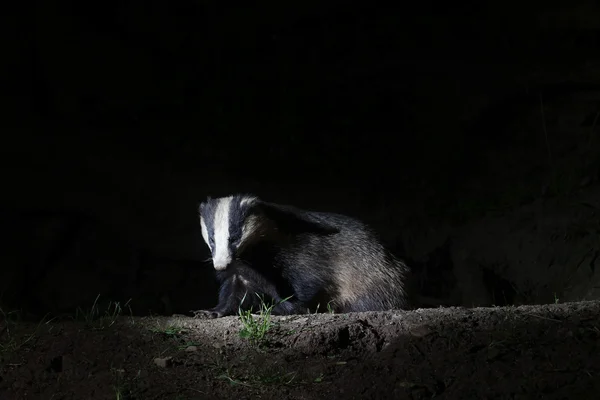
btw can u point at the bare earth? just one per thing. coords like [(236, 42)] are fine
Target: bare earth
[(528, 352)]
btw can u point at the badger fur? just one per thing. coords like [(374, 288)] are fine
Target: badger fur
[(315, 260)]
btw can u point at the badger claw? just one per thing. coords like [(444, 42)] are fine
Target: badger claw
[(206, 314)]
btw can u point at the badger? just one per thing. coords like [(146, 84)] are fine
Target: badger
[(301, 261)]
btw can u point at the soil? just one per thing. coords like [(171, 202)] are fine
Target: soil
[(548, 351)]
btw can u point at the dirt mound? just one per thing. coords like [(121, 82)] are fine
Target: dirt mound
[(549, 351)]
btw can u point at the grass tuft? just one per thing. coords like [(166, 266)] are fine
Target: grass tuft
[(98, 320), (256, 328)]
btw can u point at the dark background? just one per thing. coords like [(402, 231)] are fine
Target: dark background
[(465, 134)]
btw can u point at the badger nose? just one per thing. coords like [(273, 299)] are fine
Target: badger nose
[(220, 265)]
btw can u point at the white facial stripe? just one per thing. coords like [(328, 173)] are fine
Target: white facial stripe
[(221, 253), (204, 230)]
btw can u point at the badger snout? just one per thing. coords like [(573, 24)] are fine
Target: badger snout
[(221, 264)]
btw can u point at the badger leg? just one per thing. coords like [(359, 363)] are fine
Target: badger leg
[(244, 297), (288, 307), (268, 295), (211, 313), (230, 296), (245, 288), (241, 290)]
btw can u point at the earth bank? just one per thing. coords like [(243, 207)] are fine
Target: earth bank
[(546, 351)]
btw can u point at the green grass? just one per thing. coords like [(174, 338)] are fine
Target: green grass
[(10, 341), (97, 319), (255, 328), (262, 379), (330, 309), (239, 375), (171, 330)]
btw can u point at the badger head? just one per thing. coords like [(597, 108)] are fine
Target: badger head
[(225, 225), (230, 224)]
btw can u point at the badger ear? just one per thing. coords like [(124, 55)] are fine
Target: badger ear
[(203, 203), (294, 220)]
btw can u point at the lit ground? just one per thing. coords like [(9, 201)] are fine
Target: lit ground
[(550, 352)]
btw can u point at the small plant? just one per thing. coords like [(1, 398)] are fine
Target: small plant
[(10, 317), (120, 386), (253, 328), (98, 320), (330, 309), (266, 376), (120, 392), (171, 330), (188, 344), (9, 340)]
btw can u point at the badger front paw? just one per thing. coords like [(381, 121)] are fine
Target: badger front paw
[(207, 314)]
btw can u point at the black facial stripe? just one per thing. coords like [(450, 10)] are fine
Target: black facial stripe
[(237, 217), (208, 215)]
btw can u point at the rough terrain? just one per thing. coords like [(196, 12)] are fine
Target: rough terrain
[(548, 351)]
